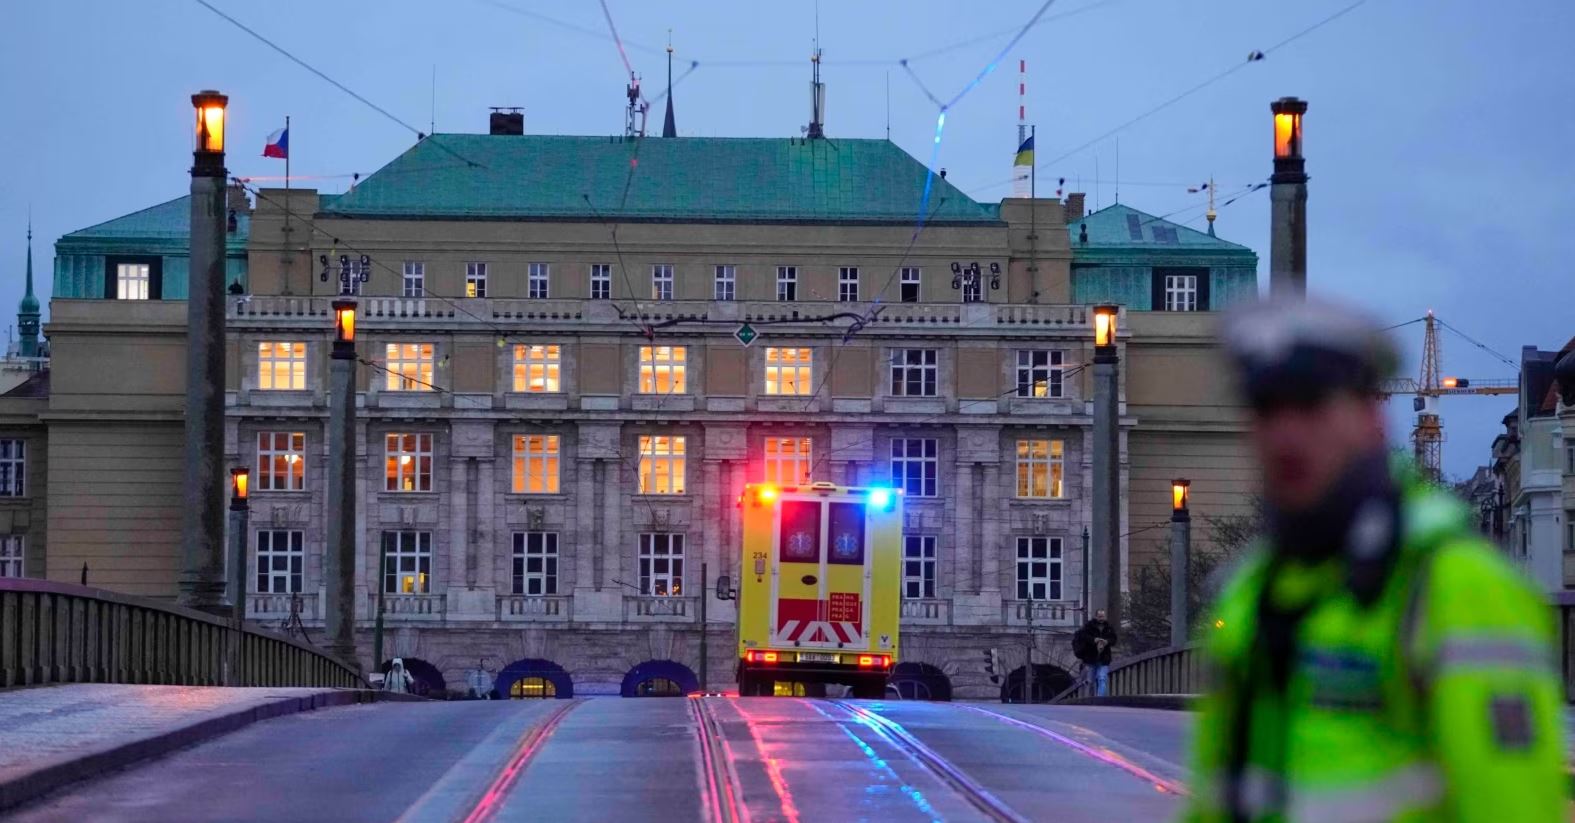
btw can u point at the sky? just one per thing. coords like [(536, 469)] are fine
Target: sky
[(1437, 137)]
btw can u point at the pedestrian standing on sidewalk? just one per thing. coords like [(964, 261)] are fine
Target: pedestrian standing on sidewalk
[(1092, 644)]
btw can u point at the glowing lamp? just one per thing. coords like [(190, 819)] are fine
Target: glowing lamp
[(881, 499), (344, 321), (1289, 167), (1180, 494), (209, 133), (1105, 318), (766, 495), (240, 485)]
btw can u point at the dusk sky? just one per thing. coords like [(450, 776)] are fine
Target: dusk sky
[(1438, 136)]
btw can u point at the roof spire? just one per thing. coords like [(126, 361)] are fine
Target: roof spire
[(669, 127), (27, 311)]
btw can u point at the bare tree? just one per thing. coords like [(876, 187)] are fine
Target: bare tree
[(1148, 601)]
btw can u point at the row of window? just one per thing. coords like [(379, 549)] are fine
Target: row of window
[(663, 459), (534, 564), (663, 369)]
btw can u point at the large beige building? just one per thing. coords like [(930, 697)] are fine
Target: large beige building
[(556, 414)]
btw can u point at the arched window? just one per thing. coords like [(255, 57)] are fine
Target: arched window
[(533, 688)]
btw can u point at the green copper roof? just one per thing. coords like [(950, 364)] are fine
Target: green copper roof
[(1123, 227), (29, 304), (170, 219), (680, 178)]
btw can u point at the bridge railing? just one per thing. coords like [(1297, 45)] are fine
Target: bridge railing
[(1162, 671), (62, 633)]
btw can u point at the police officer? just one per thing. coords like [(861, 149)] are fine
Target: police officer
[(1374, 660)]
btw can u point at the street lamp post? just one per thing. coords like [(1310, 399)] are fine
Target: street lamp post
[(339, 571), (1105, 572), (202, 534), (1180, 556), (240, 488), (382, 589), (1288, 199)]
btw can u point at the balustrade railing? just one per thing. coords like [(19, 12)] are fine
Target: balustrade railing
[(524, 607)]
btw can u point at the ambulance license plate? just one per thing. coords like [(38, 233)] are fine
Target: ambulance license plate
[(811, 657)]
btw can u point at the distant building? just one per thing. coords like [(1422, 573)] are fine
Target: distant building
[(24, 393)]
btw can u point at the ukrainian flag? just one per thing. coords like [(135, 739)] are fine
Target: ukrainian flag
[(1025, 153)]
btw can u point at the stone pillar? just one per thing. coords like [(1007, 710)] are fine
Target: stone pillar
[(339, 563), (603, 470)]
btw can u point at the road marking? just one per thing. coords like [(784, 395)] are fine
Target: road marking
[(493, 798), (1104, 755), (720, 785)]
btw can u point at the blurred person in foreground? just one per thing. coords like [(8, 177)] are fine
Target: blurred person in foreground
[(1374, 659)]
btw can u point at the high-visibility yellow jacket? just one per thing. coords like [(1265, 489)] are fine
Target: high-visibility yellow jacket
[(1437, 702)]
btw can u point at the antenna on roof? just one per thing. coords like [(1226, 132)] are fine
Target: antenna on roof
[(432, 119), (817, 89), (634, 116)]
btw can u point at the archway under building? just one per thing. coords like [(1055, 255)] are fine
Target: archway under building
[(1049, 681), (427, 680), (912, 680), (533, 678), (660, 678)]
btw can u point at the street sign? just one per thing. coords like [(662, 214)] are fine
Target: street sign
[(746, 334)]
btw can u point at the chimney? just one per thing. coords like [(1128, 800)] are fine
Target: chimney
[(507, 120), (236, 200), (1074, 206)]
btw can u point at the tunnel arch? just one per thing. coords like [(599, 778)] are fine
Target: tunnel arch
[(660, 678), (1049, 681), (549, 676), (913, 680), (428, 681)]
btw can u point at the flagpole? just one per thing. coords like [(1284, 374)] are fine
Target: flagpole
[(289, 243)]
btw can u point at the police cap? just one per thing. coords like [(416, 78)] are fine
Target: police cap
[(1300, 352)]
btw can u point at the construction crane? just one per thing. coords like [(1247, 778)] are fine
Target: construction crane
[(1427, 436)]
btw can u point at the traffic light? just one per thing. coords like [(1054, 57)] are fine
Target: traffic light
[(992, 665)]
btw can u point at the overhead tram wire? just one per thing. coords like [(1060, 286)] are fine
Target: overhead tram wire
[(335, 83)]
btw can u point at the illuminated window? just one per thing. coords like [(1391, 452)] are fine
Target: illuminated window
[(409, 366), (789, 371), (848, 284), (408, 463), (132, 281), (915, 465), (1039, 373), (662, 564), (787, 283), (415, 280), (536, 282), (1181, 292), (475, 279), (661, 464), (661, 282), (787, 461), (13, 467), (910, 284), (535, 464), (533, 688), (658, 687), (281, 461), (601, 281), (726, 287), (535, 563), (1038, 568), (913, 372), (918, 565), (281, 366), (409, 565), (11, 547), (662, 369), (281, 557), (1040, 469), (536, 368)]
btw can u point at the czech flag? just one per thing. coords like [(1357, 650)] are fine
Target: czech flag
[(278, 145), (1025, 152)]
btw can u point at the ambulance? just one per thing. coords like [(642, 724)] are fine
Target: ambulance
[(819, 585)]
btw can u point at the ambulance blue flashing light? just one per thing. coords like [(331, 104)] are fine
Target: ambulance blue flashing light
[(881, 499)]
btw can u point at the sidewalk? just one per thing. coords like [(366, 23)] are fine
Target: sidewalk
[(56, 735)]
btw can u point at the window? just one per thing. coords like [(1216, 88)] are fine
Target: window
[(351, 275), (1038, 568), (1039, 373), (536, 368), (535, 464), (662, 369), (536, 283), (281, 461), (11, 546), (918, 565), (726, 283), (662, 564), (661, 282), (408, 466), (848, 284), (915, 462), (910, 285), (787, 461), (280, 560), (601, 281), (661, 464), (415, 282), (1181, 292), (13, 468), (972, 289), (409, 564), (789, 371), (1569, 456), (281, 366), (1569, 531), (1041, 469), (132, 281), (535, 563), (787, 282), (409, 366), (475, 279), (913, 372)]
